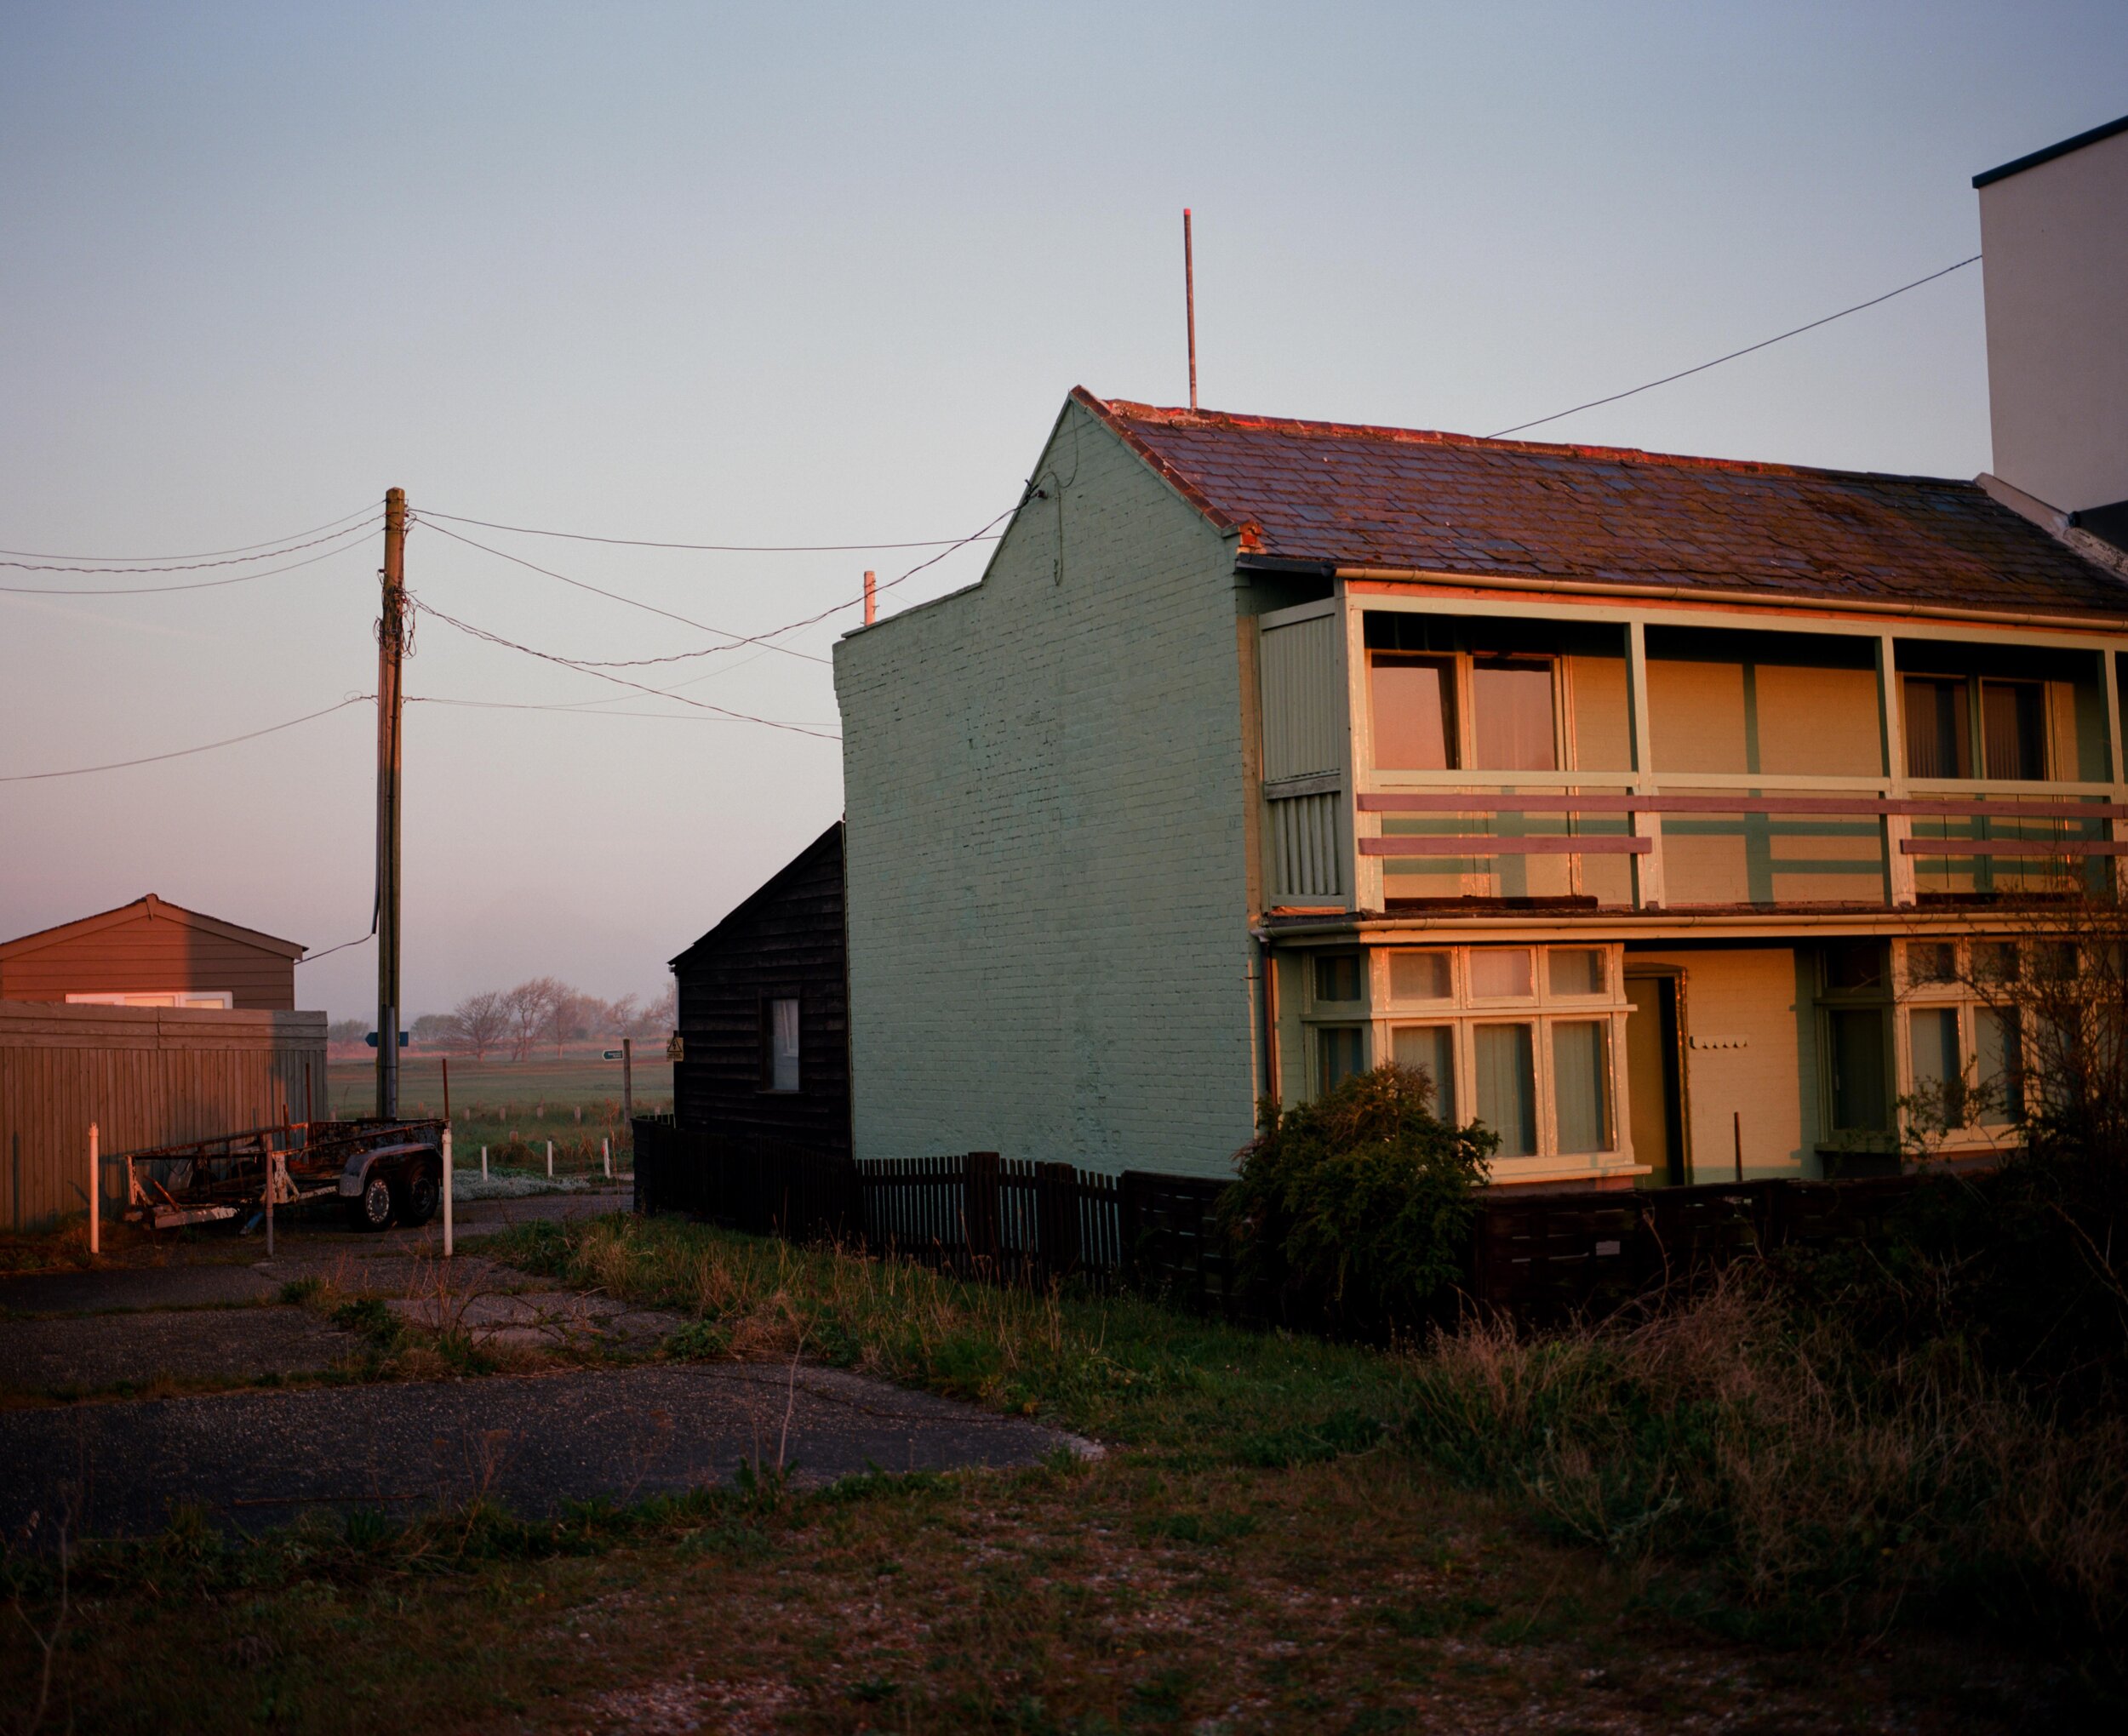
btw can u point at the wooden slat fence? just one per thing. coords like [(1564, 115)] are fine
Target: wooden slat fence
[(981, 1216)]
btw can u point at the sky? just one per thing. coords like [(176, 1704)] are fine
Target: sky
[(812, 275)]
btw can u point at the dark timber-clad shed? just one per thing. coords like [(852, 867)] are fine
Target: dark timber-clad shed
[(765, 1011)]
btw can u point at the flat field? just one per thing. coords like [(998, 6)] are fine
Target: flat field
[(579, 1080)]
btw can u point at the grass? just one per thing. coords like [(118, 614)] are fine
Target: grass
[(1265, 1546), (558, 1088)]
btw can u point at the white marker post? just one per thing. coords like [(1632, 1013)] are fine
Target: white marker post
[(550, 1160), (484, 1163), (605, 1157), (96, 1194), (447, 1191)]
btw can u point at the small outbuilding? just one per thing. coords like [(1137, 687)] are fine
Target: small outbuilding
[(152, 953), (764, 1012)]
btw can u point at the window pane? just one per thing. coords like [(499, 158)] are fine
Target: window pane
[(2009, 726), (1859, 1097), (1998, 1066), (1415, 714), (1418, 976), (1511, 705), (1937, 746), (1932, 962), (1581, 1085), (1938, 1073), (1507, 1086), (1430, 1050), (1499, 974), (1337, 976), (1577, 970), (1856, 967), (1338, 1054), (1995, 961), (783, 1045)]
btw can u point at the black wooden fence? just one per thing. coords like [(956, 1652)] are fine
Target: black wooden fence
[(977, 1214)]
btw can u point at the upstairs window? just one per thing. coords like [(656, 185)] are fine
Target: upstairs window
[(1443, 713), (1511, 706), (1414, 713), (780, 1045), (2012, 728), (1944, 714)]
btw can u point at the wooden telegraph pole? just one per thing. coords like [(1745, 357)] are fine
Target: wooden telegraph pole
[(391, 707)]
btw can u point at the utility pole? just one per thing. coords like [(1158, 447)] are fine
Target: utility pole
[(390, 708)]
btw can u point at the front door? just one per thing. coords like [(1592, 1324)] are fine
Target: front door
[(1655, 1081)]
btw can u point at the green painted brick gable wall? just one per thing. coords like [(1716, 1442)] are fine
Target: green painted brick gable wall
[(1044, 778)]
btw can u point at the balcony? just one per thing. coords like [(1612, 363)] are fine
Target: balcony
[(1631, 763)]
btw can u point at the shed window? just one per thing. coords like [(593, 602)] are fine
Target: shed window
[(780, 1045)]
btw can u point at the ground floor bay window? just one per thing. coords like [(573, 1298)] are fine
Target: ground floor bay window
[(1528, 1040)]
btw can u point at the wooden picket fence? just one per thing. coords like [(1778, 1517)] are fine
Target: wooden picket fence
[(978, 1215)]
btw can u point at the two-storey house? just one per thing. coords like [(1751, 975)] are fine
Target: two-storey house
[(1645, 802)]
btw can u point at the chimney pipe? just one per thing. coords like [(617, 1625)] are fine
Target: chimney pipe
[(871, 598)]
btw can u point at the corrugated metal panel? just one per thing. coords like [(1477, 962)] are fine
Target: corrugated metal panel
[(1304, 847), (1303, 705)]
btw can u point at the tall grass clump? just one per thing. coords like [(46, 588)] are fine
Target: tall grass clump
[(1786, 1475), (1355, 1211)]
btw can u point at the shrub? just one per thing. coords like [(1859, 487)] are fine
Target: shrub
[(1356, 1209)]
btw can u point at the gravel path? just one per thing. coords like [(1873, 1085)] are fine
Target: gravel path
[(258, 1459), (94, 1351)]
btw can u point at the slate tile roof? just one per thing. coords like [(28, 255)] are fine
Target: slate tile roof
[(1411, 500)]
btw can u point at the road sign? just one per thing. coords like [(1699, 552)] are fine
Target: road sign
[(372, 1039), (611, 1054)]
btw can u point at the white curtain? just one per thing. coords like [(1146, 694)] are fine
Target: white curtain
[(785, 1054)]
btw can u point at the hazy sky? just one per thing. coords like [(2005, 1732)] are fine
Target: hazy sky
[(803, 274)]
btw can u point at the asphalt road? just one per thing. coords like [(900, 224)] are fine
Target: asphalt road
[(257, 1459)]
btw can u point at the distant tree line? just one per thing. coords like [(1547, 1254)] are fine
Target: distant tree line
[(517, 1021)]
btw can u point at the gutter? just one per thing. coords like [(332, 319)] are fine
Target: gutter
[(1755, 599)]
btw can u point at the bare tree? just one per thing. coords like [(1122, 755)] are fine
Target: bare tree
[(659, 1014), (531, 1004), (481, 1022)]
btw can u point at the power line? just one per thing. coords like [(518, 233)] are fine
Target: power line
[(195, 585), (1558, 415), (181, 753), (703, 548), (273, 542), (467, 628), (587, 709), (582, 584), (191, 566)]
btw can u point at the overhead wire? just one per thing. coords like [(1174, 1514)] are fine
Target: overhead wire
[(191, 566), (737, 639), (1684, 372), (704, 548), (182, 752), (498, 639), (350, 533), (590, 708), (272, 542)]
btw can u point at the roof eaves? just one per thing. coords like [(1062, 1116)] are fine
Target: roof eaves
[(1100, 409)]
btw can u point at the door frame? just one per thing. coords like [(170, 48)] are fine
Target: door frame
[(1676, 1169)]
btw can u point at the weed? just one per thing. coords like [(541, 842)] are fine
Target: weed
[(298, 1290)]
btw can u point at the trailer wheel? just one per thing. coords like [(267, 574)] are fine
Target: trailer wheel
[(417, 1205), (371, 1209)]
